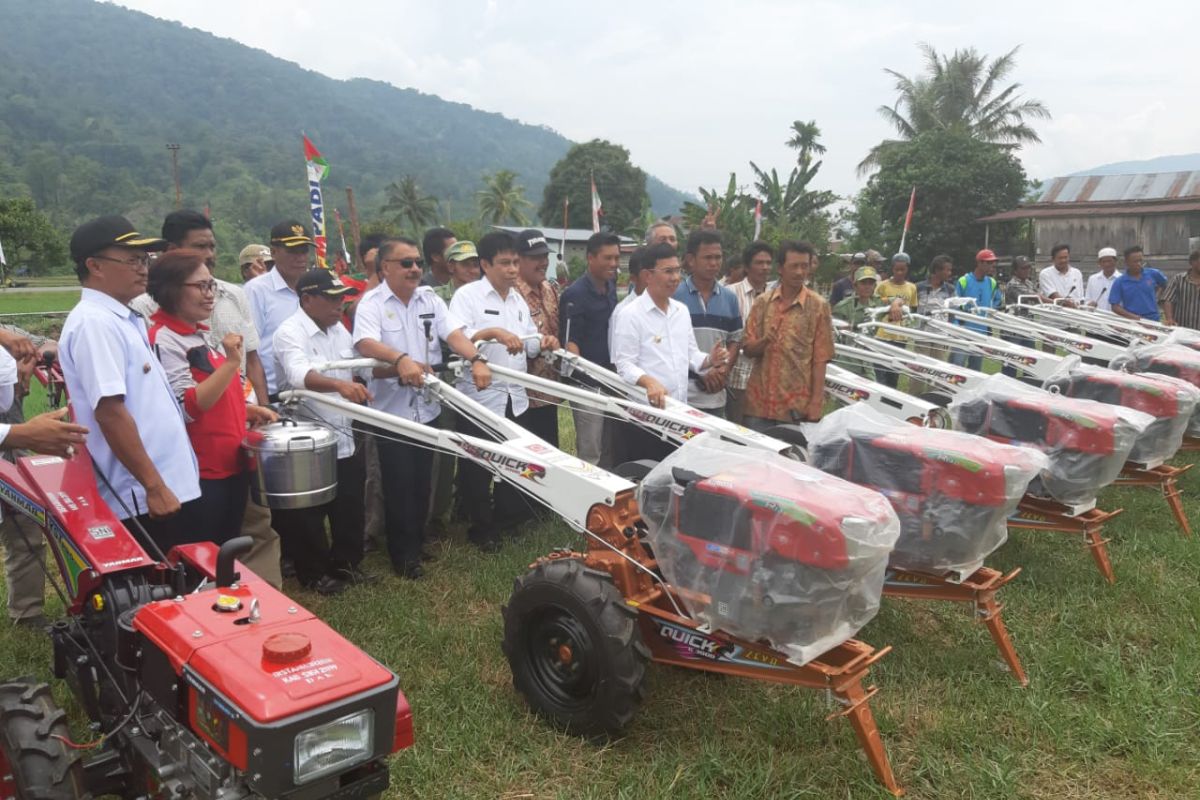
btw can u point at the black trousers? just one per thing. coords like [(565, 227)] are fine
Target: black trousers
[(542, 422), (186, 527), (491, 509), (406, 473), (637, 443), (302, 530)]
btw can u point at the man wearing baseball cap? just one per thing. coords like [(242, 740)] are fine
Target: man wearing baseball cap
[(845, 285), (255, 260), (462, 259), (273, 295), (312, 335), (979, 285), (1099, 285), (118, 389)]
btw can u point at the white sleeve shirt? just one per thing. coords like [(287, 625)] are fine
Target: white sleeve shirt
[(649, 341), (478, 305), (105, 352), (8, 382), (1069, 285), (271, 302), (416, 329), (1099, 286), (298, 345)]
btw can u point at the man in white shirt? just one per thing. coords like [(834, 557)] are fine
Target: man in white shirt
[(655, 347), (1061, 281), (273, 296), (311, 336), (404, 323), (146, 469), (493, 309), (1099, 285)]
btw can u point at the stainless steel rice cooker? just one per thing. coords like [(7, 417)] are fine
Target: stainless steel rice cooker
[(293, 464)]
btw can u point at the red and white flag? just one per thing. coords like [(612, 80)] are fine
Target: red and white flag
[(596, 212), (757, 218), (912, 202)]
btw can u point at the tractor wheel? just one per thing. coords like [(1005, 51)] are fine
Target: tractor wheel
[(34, 763), (574, 648)]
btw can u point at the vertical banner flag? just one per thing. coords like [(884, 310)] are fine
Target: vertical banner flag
[(596, 212), (757, 218), (318, 170), (341, 264), (912, 200)]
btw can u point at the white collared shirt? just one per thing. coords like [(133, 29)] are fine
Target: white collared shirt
[(1099, 287), (105, 352), (8, 382), (299, 345), (649, 341), (387, 319), (1068, 285), (625, 303), (478, 306), (271, 302)]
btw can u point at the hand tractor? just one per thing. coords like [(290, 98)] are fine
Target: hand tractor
[(196, 681)]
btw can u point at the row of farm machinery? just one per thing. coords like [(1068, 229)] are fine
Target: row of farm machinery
[(754, 554)]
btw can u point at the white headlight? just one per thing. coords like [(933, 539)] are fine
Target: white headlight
[(334, 746)]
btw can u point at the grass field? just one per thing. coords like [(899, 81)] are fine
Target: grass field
[(1112, 710)]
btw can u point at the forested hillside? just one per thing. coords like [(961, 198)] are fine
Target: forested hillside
[(90, 95)]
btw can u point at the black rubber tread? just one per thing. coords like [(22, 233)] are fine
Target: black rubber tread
[(589, 597), (44, 767)]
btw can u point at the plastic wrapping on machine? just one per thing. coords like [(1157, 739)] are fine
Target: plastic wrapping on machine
[(1172, 403), (1172, 360), (1087, 442), (765, 547), (953, 492)]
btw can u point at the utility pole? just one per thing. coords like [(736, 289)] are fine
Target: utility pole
[(174, 148)]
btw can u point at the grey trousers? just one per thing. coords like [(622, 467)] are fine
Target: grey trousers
[(589, 435)]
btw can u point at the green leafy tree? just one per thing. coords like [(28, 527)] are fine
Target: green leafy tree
[(621, 185), (959, 179), (501, 200), (29, 239), (410, 206), (960, 92)]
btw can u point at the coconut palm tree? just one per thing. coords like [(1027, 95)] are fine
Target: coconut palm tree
[(805, 140), (960, 92), (501, 200), (408, 204)]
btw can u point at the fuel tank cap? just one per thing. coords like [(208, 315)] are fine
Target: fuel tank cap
[(283, 648)]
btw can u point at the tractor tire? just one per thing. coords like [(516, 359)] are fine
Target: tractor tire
[(34, 765), (575, 649)]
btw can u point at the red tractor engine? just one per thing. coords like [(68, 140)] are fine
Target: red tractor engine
[(766, 547), (1087, 442), (1174, 361), (953, 492), (199, 681), (1170, 404)]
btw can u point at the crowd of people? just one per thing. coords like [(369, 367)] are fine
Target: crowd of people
[(160, 352)]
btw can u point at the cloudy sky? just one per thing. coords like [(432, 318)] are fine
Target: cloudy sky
[(697, 89)]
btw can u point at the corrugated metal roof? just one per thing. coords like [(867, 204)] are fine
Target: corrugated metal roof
[(556, 234), (1045, 210), (1122, 188)]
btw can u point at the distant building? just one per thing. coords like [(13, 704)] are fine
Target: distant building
[(1160, 211), (576, 242)]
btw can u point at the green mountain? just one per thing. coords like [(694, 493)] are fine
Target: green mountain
[(91, 94)]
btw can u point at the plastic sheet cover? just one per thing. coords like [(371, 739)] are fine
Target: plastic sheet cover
[(953, 492), (767, 547), (1087, 442), (1172, 360), (1172, 403)]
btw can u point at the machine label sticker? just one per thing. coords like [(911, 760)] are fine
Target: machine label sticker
[(533, 472), (670, 426), (22, 503), (212, 722), (98, 532), (949, 377), (73, 562), (320, 669), (42, 461), (1007, 356), (695, 646), (123, 562), (849, 392)]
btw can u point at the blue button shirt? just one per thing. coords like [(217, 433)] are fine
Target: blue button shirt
[(1136, 295), (587, 312)]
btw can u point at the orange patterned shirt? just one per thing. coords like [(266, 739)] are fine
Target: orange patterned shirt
[(803, 336), (543, 307)]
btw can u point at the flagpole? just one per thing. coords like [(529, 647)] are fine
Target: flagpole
[(354, 230)]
